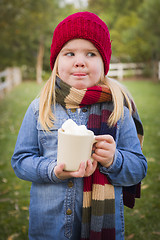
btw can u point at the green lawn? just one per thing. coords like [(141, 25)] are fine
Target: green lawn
[(142, 223)]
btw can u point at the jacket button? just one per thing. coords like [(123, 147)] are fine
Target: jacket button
[(84, 110), (73, 110), (69, 211), (70, 184)]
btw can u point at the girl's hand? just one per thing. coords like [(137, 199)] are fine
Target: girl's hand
[(104, 150), (82, 171)]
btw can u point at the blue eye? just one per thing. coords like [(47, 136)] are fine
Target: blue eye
[(91, 54), (70, 54)]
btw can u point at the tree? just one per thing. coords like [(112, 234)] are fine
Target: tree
[(122, 20), (23, 25), (150, 22), (26, 28), (134, 28), (111, 10), (149, 30), (128, 44)]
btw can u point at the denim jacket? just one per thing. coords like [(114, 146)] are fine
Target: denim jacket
[(56, 205)]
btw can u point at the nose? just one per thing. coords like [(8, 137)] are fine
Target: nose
[(79, 62)]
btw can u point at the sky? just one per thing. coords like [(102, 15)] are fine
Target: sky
[(77, 3)]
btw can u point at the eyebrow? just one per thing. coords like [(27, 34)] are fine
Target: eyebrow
[(74, 49)]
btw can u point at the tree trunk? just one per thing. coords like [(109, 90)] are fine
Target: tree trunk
[(155, 70), (39, 66)]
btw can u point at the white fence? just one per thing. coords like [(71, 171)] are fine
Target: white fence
[(125, 69), (12, 76), (9, 78)]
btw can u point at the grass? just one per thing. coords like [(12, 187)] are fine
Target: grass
[(14, 193), (142, 222)]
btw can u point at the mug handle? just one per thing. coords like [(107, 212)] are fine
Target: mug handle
[(94, 141)]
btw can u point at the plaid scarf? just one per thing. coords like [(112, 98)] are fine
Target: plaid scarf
[(98, 212)]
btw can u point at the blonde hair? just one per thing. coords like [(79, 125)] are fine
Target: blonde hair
[(48, 99), (120, 95)]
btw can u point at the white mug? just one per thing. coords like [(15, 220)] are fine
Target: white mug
[(74, 149)]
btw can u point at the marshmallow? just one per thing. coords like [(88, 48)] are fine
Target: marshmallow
[(69, 126)]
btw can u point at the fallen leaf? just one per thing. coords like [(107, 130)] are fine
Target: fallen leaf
[(13, 212), (130, 236), (135, 211), (144, 186), (156, 233), (4, 180), (24, 229), (16, 193), (16, 207), (13, 236), (5, 191), (24, 208), (151, 159), (5, 200), (17, 187), (12, 129)]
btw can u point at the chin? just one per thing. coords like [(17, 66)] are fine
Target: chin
[(79, 86)]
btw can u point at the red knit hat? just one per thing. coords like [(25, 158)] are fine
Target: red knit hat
[(83, 25)]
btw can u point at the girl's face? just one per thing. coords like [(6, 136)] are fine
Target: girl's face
[(80, 64)]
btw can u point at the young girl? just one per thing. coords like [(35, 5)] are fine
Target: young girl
[(88, 203)]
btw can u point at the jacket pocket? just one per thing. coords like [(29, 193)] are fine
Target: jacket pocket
[(49, 139)]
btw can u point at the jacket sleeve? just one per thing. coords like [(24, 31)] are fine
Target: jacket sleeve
[(27, 161), (130, 165)]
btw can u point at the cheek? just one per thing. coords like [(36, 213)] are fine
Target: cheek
[(98, 69), (61, 68)]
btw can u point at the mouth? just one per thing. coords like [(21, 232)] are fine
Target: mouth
[(79, 74)]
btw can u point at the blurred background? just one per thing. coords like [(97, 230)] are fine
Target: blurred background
[(26, 30)]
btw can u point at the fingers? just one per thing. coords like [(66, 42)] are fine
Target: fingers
[(80, 172), (106, 138), (83, 171), (104, 161), (91, 167), (59, 168), (104, 150), (62, 174)]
